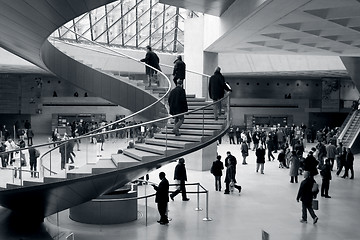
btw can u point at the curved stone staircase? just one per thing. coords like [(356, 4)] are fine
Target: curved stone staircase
[(37, 199)]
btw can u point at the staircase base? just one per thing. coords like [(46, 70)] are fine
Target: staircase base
[(202, 159), (107, 209)]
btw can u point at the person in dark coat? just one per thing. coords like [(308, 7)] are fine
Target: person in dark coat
[(260, 159), (230, 178), (216, 170), (153, 60), (181, 178), (342, 159), (217, 86), (244, 152), (179, 69), (230, 159), (162, 198), (326, 177), (306, 195), (178, 104), (294, 162), (310, 163), (281, 159), (349, 164), (33, 155)]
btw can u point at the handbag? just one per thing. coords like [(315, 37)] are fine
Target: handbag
[(315, 204)]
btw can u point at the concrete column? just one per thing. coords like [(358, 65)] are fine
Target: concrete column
[(202, 159), (195, 57)]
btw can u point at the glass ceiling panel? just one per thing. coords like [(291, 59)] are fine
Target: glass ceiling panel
[(131, 23)]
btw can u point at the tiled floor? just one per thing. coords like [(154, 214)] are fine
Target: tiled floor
[(267, 202)]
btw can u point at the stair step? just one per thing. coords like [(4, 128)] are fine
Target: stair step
[(190, 95), (169, 143), (196, 107), (32, 183), (156, 149), (191, 132), (197, 126), (187, 138), (201, 121), (206, 116), (196, 100), (190, 103), (12, 186), (123, 161), (141, 155)]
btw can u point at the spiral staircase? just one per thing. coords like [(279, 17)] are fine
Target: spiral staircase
[(30, 23)]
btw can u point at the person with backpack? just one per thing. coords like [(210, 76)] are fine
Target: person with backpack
[(216, 170)]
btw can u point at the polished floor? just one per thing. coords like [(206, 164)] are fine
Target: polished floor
[(267, 202)]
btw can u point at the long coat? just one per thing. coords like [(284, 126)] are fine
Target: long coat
[(294, 166), (179, 69), (217, 86), (230, 174), (260, 155), (162, 191), (177, 101)]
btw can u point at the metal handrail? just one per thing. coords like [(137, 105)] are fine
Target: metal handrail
[(153, 194), (58, 143), (98, 51)]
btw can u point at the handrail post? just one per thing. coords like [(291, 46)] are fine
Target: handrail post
[(198, 208), (203, 122), (207, 208), (228, 109), (50, 165), (146, 212), (166, 138)]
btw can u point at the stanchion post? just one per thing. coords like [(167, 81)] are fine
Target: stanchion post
[(198, 198), (207, 208)]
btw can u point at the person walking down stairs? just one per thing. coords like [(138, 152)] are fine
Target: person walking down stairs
[(178, 104)]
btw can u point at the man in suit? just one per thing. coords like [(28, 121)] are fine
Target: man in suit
[(162, 198), (178, 104), (151, 59), (179, 69)]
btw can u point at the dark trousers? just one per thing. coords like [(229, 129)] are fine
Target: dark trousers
[(162, 207), (347, 168), (294, 177), (33, 168), (177, 123), (232, 140), (270, 155), (307, 207), (325, 187), (218, 183), (181, 189), (340, 167), (331, 163)]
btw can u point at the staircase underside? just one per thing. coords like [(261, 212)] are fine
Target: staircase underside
[(42, 200)]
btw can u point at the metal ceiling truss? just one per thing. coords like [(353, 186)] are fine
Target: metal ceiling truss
[(145, 20)]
